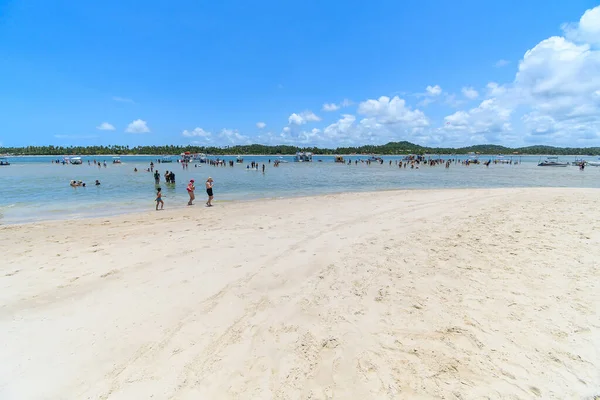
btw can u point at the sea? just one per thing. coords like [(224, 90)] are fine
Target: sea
[(34, 189)]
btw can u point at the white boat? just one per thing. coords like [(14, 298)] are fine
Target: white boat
[(4, 161), (166, 159), (281, 160), (578, 161), (199, 157), (116, 160), (501, 160), (303, 156), (75, 160), (552, 161)]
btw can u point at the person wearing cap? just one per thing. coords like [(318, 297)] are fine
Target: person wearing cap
[(190, 190), (209, 191)]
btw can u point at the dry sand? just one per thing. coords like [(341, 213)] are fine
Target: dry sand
[(463, 294)]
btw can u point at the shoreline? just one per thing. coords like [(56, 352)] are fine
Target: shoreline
[(292, 155), (468, 292), (133, 212)]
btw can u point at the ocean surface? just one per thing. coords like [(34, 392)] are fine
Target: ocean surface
[(34, 189)]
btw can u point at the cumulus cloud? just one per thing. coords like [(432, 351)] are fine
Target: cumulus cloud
[(552, 99), (105, 126), (489, 121), (392, 111), (233, 137), (587, 30), (303, 118), (431, 95), (196, 132), (493, 89), (434, 90), (261, 125), (137, 126), (470, 93), (328, 107)]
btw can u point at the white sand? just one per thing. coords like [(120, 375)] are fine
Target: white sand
[(397, 295)]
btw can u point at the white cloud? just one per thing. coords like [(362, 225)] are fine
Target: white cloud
[(295, 119), (489, 121), (105, 126), (392, 111), (434, 90), (346, 103), (470, 93), (137, 126), (494, 90), (303, 118), (501, 63), (588, 28), (431, 95), (261, 125), (233, 137), (123, 100), (552, 100), (196, 132), (330, 107)]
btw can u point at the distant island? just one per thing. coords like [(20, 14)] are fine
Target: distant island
[(392, 148)]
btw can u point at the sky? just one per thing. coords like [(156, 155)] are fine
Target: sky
[(309, 73)]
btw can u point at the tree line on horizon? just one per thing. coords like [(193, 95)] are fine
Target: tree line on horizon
[(392, 148)]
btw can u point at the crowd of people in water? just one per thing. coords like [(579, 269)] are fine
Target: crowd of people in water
[(412, 162)]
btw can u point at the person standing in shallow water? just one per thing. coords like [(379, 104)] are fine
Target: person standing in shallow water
[(190, 190), (209, 191), (159, 200)]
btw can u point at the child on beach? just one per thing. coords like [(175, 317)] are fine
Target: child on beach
[(190, 190), (159, 199)]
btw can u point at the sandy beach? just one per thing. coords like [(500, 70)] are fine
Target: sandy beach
[(453, 294)]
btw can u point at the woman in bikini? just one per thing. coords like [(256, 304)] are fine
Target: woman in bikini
[(190, 190), (209, 191)]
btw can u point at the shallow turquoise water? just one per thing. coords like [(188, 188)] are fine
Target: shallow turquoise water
[(34, 189)]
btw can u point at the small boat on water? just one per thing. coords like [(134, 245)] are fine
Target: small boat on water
[(239, 159), (281, 160), (501, 160), (303, 156), (552, 161), (166, 159), (4, 161), (578, 161), (593, 163), (199, 157), (374, 159), (76, 160), (116, 160)]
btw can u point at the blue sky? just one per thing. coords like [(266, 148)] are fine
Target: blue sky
[(431, 72)]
